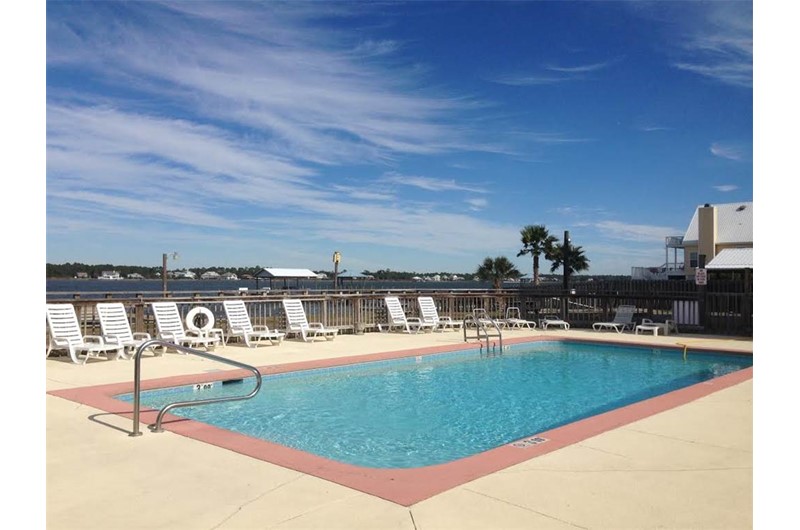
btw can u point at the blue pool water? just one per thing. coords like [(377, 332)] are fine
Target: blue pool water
[(428, 410)]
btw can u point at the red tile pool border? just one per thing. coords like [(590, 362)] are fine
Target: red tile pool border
[(401, 486)]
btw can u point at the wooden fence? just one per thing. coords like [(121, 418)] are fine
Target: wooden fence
[(722, 308)]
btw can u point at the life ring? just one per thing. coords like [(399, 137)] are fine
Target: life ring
[(192, 314)]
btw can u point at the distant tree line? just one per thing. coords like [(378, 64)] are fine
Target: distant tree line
[(71, 270)]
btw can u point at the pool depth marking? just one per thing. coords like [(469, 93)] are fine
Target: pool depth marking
[(401, 486), (528, 442)]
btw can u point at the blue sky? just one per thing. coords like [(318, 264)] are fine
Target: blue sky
[(410, 136)]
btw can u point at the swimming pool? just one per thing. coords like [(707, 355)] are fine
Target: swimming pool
[(434, 409)]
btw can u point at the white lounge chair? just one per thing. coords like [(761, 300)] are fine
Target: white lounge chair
[(623, 318), (397, 318), (239, 325), (546, 322), (65, 334), (298, 324), (117, 330), (170, 328), (514, 319), (481, 318), (427, 308)]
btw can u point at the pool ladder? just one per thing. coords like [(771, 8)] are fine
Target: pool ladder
[(137, 383), (481, 321)]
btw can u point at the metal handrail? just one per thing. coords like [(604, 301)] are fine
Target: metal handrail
[(137, 383), (480, 325)]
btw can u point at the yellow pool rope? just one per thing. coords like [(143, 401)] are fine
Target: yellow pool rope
[(685, 347)]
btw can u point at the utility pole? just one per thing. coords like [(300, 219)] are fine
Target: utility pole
[(164, 271), (337, 257), (566, 264), (164, 274)]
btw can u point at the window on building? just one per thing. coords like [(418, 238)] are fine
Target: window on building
[(693, 259)]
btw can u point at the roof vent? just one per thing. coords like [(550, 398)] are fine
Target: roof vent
[(740, 208), (706, 205)]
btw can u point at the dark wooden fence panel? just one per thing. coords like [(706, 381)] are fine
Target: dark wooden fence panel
[(725, 306)]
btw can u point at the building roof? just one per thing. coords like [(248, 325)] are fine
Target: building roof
[(734, 224), (732, 258), (286, 273), (356, 276)]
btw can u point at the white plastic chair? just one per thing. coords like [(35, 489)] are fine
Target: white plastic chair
[(297, 322), (623, 318), (397, 318), (170, 328), (427, 308), (514, 319), (116, 328), (239, 325), (65, 334)]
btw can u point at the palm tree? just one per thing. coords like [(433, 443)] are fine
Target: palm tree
[(569, 258), (497, 270), (536, 240)]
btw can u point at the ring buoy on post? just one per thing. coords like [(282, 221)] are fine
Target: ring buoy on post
[(192, 314)]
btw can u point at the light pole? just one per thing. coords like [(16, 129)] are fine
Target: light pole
[(337, 257), (164, 270), (567, 263)]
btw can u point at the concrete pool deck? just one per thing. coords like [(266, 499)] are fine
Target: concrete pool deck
[(686, 467)]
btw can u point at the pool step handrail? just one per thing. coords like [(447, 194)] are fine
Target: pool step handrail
[(137, 382), (480, 319)]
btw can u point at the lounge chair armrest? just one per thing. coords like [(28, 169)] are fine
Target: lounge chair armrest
[(112, 339), (60, 342), (316, 325), (142, 336), (414, 319), (260, 327), (169, 336), (194, 333), (237, 329), (93, 338)]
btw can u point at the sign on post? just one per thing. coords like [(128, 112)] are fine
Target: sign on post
[(700, 277)]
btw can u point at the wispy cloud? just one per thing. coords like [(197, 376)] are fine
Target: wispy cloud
[(259, 118), (552, 74), (431, 184), (477, 204), (731, 152), (718, 44), (634, 232), (726, 188), (653, 128), (580, 69)]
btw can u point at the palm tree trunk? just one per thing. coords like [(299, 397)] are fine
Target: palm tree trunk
[(535, 270)]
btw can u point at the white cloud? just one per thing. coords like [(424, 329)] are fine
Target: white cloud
[(717, 42), (634, 232), (726, 188), (731, 152), (431, 184), (477, 204), (552, 74)]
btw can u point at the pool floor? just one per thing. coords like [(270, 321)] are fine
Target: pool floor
[(402, 486)]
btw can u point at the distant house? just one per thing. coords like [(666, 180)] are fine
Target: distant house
[(109, 275), (229, 276), (210, 275), (722, 236), (81, 275), (135, 276), (721, 233), (184, 274)]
